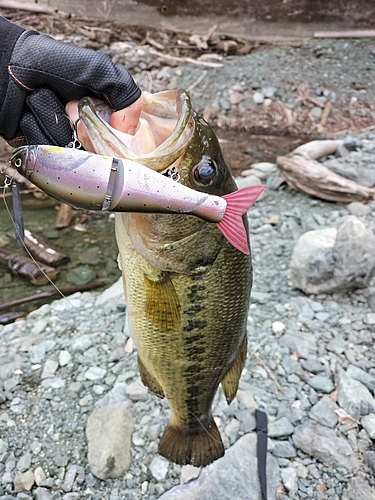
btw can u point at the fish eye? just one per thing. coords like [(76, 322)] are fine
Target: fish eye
[(18, 163), (204, 172)]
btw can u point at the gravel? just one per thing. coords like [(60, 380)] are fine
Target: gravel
[(311, 360)]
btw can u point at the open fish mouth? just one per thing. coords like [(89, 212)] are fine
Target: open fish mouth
[(165, 131)]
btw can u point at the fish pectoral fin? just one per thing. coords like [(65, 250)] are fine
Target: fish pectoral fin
[(231, 379), (185, 448), (162, 305), (148, 380)]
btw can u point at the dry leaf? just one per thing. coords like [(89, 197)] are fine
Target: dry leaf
[(280, 491), (346, 419)]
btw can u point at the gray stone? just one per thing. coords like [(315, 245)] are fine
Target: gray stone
[(49, 368), (359, 489), (80, 275), (290, 480), (188, 473), (70, 475), (358, 209), (53, 382), (302, 343), (42, 494), (324, 412), (321, 383), (362, 376), (39, 326), (315, 112), (233, 476), (64, 358), (280, 428), (337, 344), (159, 467), (114, 396), (283, 449), (108, 434), (353, 396), (24, 462), (137, 391), (312, 365), (329, 260), (323, 444), (95, 373), (258, 97), (368, 423), (61, 460)]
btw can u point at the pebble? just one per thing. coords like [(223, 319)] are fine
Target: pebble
[(324, 412), (358, 209), (95, 373), (108, 431), (368, 423), (280, 428), (159, 467), (322, 334), (321, 383)]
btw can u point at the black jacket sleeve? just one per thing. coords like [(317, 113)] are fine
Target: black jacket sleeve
[(31, 61)]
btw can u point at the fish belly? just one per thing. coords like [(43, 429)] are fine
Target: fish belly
[(190, 333)]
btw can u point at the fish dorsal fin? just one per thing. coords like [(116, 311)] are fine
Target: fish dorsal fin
[(230, 382), (162, 305)]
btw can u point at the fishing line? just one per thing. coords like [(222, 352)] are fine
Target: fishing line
[(6, 185)]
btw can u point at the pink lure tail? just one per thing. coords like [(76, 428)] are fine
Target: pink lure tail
[(231, 225)]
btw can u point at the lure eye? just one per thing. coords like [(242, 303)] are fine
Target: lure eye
[(18, 163), (205, 171)]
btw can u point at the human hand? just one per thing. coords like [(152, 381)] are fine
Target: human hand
[(39, 75), (126, 120)]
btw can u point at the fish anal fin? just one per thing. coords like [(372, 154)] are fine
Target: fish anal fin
[(148, 380), (162, 305), (231, 379), (198, 449)]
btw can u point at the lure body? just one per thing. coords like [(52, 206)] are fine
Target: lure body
[(89, 181)]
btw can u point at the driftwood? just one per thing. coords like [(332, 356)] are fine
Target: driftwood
[(65, 216), (302, 172), (37, 272), (10, 317), (51, 293), (43, 250)]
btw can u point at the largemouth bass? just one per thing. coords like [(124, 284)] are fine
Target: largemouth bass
[(187, 288)]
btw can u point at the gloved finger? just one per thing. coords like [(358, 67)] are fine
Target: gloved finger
[(32, 132), (49, 117)]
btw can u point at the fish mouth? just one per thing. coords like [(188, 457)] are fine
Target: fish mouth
[(164, 133)]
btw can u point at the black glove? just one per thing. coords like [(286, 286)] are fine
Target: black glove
[(39, 75)]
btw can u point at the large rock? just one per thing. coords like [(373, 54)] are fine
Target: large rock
[(353, 396), (108, 431), (234, 476), (359, 489), (322, 443), (330, 260)]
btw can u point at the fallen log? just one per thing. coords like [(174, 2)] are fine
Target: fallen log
[(37, 272), (51, 293), (302, 172), (43, 250)]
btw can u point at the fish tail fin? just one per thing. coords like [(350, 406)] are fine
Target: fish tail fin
[(198, 449), (231, 225)]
